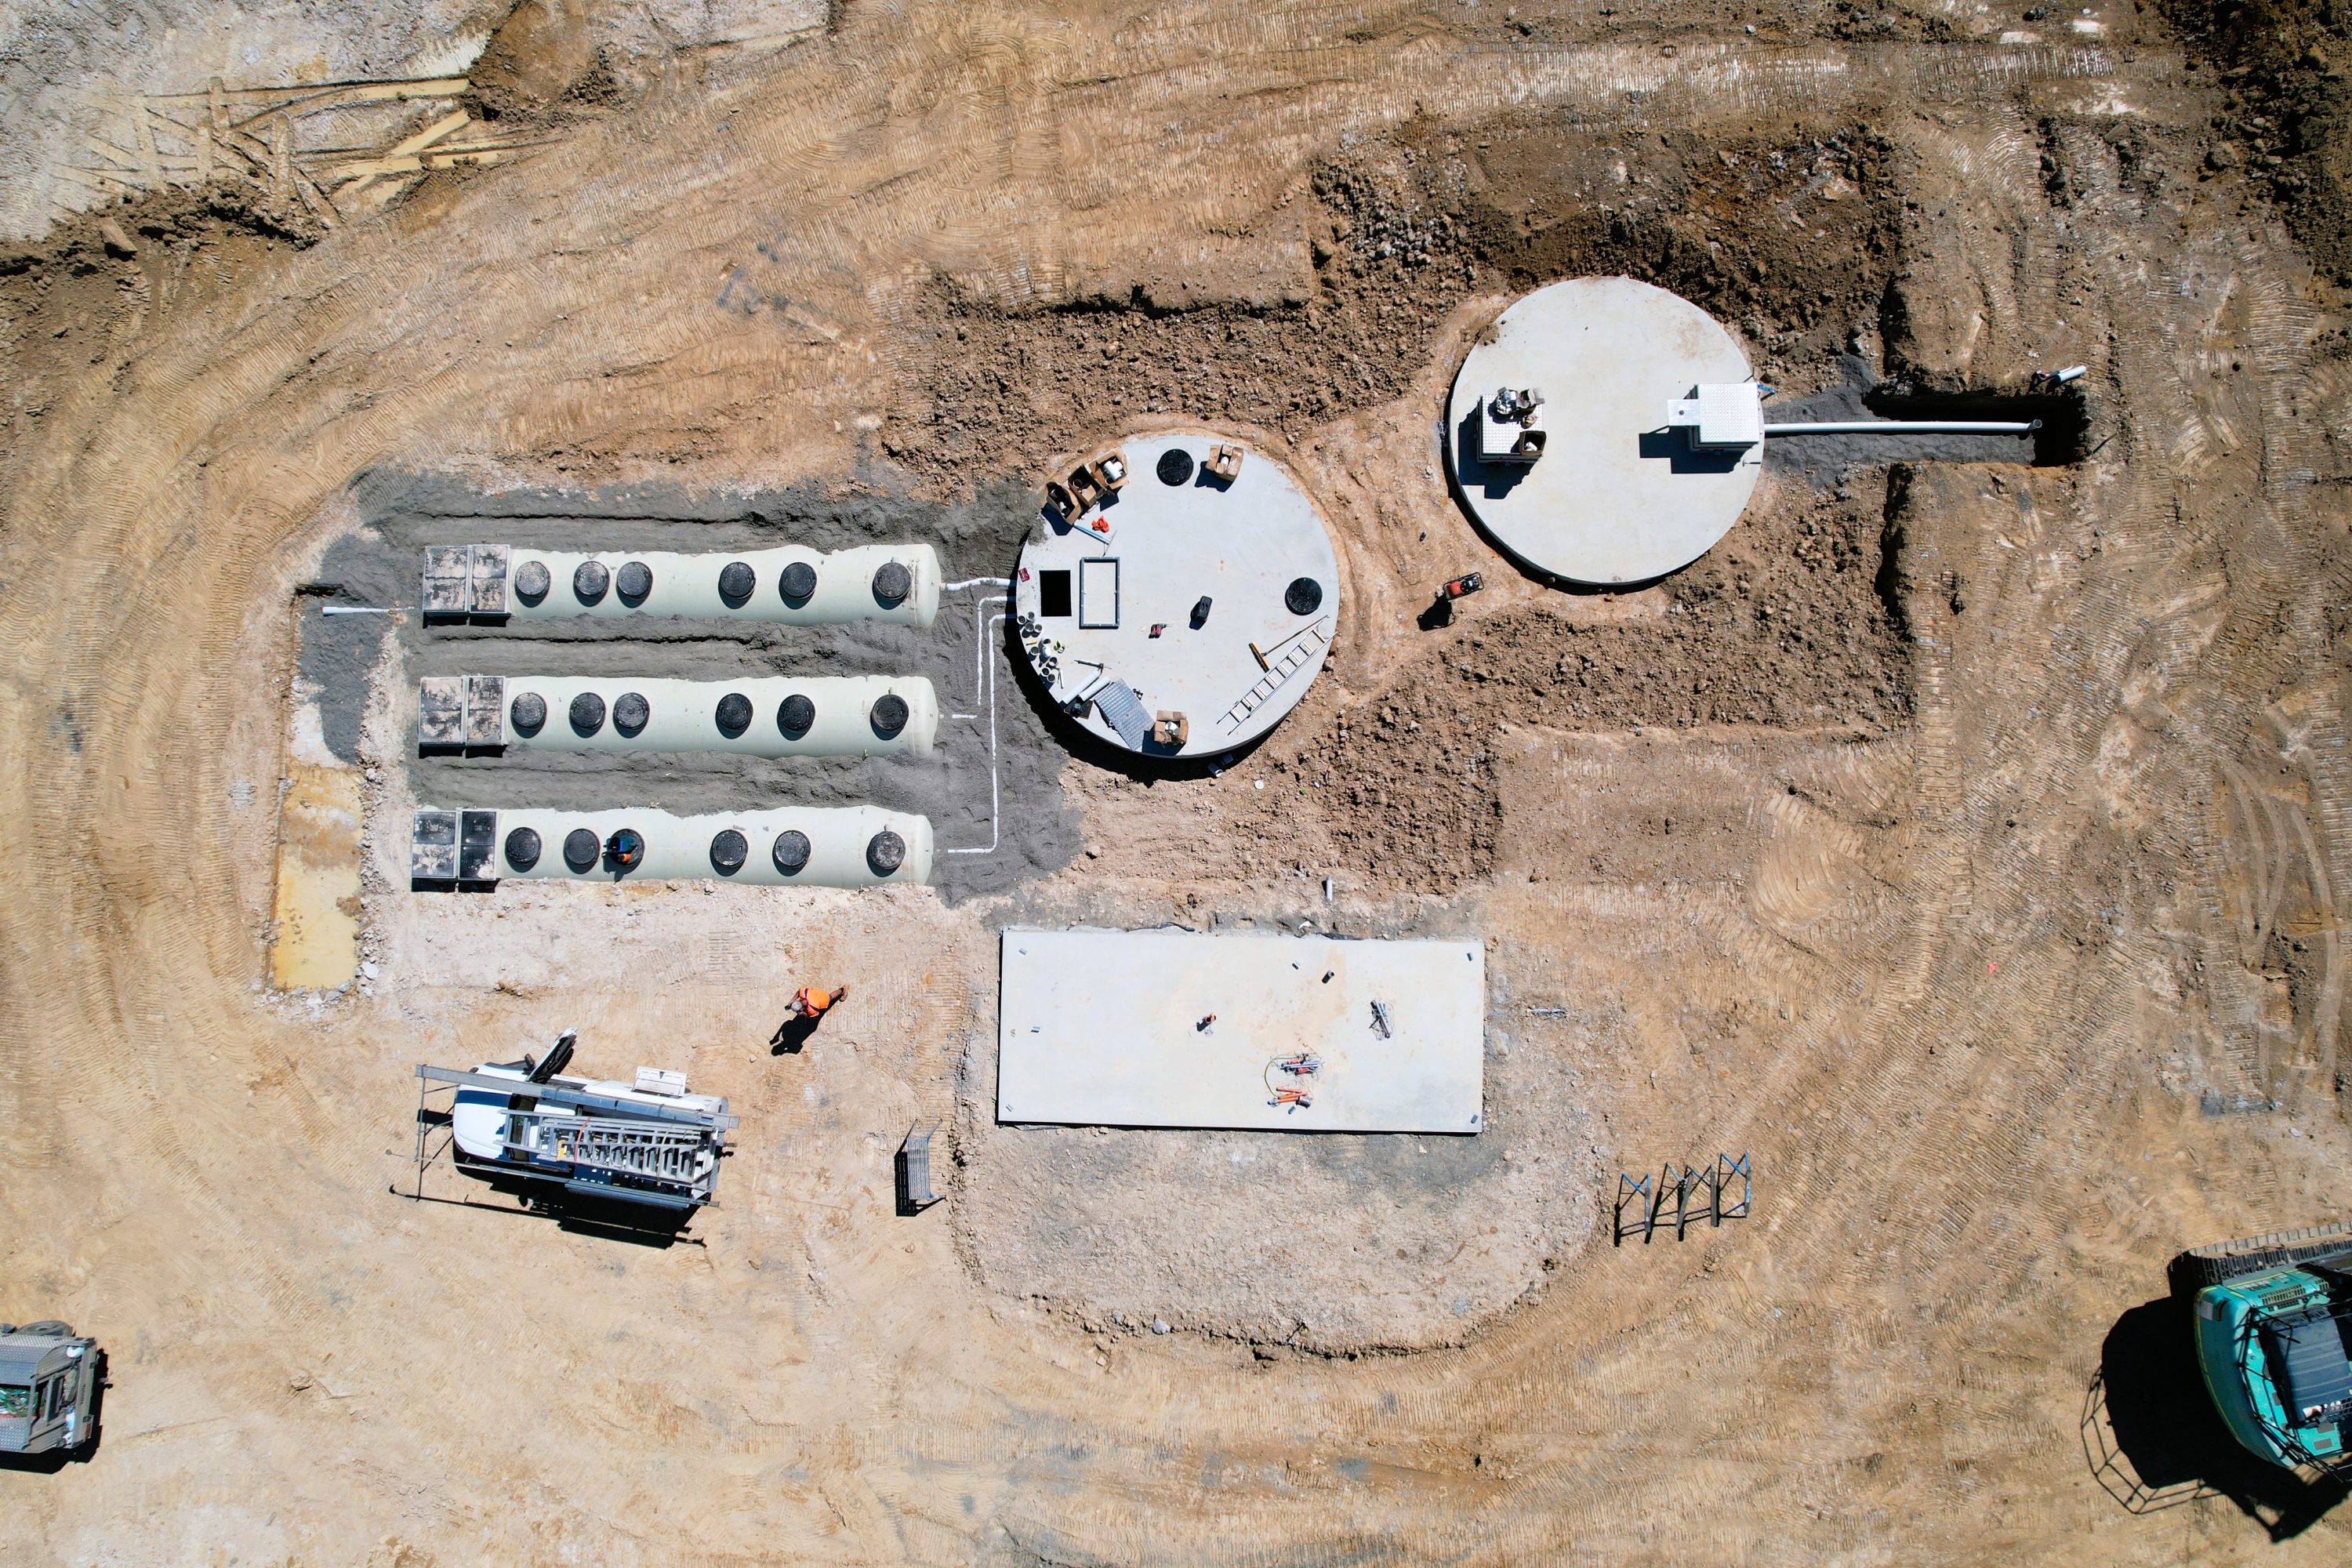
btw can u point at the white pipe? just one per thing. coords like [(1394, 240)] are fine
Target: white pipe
[(351, 610), (1906, 427), (678, 847), (685, 715), (688, 586), (979, 583), (995, 800)]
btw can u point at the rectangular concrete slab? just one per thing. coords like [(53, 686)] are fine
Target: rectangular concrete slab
[(1102, 1029)]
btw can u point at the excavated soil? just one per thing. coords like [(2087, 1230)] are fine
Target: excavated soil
[(1958, 840)]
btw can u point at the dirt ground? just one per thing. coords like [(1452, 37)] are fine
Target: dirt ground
[(1958, 838)]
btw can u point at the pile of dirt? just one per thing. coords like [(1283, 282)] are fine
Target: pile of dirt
[(1793, 622), (1400, 234), (2286, 68)]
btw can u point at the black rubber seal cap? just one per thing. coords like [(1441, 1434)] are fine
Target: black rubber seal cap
[(794, 715), (587, 714), (580, 848), (735, 581), (792, 851), (734, 714), (888, 715), (892, 583), (1303, 597), (729, 850), (632, 713), (634, 581), (527, 713), (886, 852), (797, 586), (522, 848), (589, 581), (1175, 465), (532, 581)]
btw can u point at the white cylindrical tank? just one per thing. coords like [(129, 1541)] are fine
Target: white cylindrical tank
[(768, 716), (793, 584), (834, 847)]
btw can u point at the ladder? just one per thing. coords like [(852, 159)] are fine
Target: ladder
[(655, 1150), (1290, 657)]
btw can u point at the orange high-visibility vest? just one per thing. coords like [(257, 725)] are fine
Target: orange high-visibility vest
[(814, 1001)]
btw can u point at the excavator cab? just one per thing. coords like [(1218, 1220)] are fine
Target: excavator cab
[(50, 1381), (2274, 1326)]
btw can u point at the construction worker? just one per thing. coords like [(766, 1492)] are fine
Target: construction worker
[(811, 1001)]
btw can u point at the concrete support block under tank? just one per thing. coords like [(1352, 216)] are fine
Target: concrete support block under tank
[(791, 585), (837, 846), (772, 716)]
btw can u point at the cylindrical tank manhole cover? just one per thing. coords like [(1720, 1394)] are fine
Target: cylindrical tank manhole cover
[(522, 848), (886, 852), (635, 580), (589, 581), (1304, 596), (797, 583), (580, 847), (527, 712), (1175, 465), (626, 848), (631, 713), (792, 851), (587, 714), (734, 714), (728, 850), (532, 580), (735, 581), (892, 583), (889, 714), (794, 715)]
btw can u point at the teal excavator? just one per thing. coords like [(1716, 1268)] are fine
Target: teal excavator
[(2273, 1325)]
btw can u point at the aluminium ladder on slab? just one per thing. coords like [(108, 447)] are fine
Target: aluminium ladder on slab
[(1300, 649)]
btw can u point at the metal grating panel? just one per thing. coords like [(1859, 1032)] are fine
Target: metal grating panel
[(1122, 710)]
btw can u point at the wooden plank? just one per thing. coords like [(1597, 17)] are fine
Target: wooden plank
[(363, 92)]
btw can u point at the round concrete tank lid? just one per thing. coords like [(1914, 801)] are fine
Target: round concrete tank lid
[(589, 581), (797, 581), (734, 714), (522, 848), (526, 712), (892, 583), (1303, 597), (792, 851), (735, 581), (888, 715), (794, 715), (632, 713), (729, 850), (587, 714), (1616, 494), (580, 847), (886, 852), (532, 581), (1175, 465), (635, 580)]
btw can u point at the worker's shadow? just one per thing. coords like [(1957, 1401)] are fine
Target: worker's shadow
[(1493, 479), (791, 1035), (2154, 1440)]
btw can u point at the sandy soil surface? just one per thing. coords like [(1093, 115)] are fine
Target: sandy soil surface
[(1959, 838)]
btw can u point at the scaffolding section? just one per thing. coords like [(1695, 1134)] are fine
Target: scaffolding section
[(1681, 1196)]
